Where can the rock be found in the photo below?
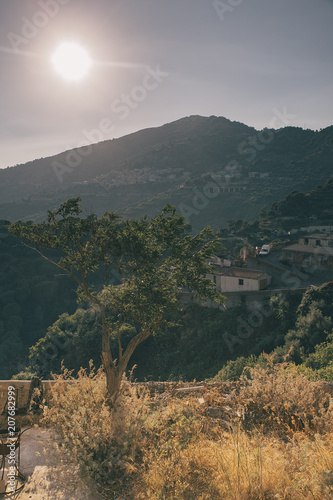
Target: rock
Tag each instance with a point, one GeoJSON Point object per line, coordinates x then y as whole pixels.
{"type": "Point", "coordinates": [214, 412]}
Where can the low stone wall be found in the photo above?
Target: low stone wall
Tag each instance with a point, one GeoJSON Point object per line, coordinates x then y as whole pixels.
{"type": "Point", "coordinates": [179, 389]}
{"type": "Point", "coordinates": [22, 388]}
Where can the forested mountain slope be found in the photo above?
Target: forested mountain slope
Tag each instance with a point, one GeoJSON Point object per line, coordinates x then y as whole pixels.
{"type": "Point", "coordinates": [211, 168]}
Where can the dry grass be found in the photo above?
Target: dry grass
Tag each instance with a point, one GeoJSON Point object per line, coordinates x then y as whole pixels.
{"type": "Point", "coordinates": [169, 447]}
{"type": "Point", "coordinates": [279, 399]}
{"type": "Point", "coordinates": [240, 466]}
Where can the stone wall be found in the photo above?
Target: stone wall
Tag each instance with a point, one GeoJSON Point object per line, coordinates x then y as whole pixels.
{"type": "Point", "coordinates": [23, 386]}
{"type": "Point", "coordinates": [22, 392]}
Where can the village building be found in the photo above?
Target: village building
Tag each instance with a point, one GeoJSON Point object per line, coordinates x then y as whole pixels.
{"type": "Point", "coordinates": [241, 286]}
{"type": "Point", "coordinates": [250, 287]}
{"type": "Point", "coordinates": [238, 279]}
{"type": "Point", "coordinates": [315, 250]}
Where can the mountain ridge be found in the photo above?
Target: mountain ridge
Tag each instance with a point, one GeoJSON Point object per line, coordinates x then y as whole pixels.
{"type": "Point", "coordinates": [132, 138]}
{"type": "Point", "coordinates": [138, 173]}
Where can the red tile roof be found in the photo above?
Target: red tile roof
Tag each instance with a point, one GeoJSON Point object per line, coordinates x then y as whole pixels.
{"type": "Point", "coordinates": [241, 272]}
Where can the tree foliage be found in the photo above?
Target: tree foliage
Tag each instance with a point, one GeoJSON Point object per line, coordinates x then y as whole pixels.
{"type": "Point", "coordinates": [31, 299]}
{"type": "Point", "coordinates": [155, 257]}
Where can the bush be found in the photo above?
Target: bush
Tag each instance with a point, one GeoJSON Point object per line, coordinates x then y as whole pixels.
{"type": "Point", "coordinates": [234, 369]}
{"type": "Point", "coordinates": [164, 446]}
{"type": "Point", "coordinates": [104, 441]}
{"type": "Point", "coordinates": [110, 444]}
{"type": "Point", "coordinates": [279, 399]}
{"type": "Point", "coordinates": [319, 364]}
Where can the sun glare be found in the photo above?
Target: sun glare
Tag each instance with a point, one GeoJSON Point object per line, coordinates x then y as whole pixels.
{"type": "Point", "coordinates": [71, 61]}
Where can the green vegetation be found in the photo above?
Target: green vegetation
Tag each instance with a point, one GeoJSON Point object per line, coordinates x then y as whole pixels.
{"type": "Point", "coordinates": [263, 428]}
{"type": "Point", "coordinates": [31, 299]}
{"type": "Point", "coordinates": [308, 343]}
{"type": "Point", "coordinates": [296, 210]}
{"type": "Point", "coordinates": [204, 342]}
{"type": "Point", "coordinates": [156, 259]}
{"type": "Point", "coordinates": [317, 202]}
{"type": "Point", "coordinates": [319, 364]}
{"type": "Point", "coordinates": [181, 157]}
{"type": "Point", "coordinates": [260, 429]}
{"type": "Point", "coordinates": [201, 341]}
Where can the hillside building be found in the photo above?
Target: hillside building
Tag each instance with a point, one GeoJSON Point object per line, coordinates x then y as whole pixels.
{"type": "Point", "coordinates": [247, 287]}
{"type": "Point", "coordinates": [315, 250]}
{"type": "Point", "coordinates": [238, 279]}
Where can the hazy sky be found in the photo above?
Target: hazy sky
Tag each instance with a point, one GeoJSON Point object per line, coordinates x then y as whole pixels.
{"type": "Point", "coordinates": [155, 61]}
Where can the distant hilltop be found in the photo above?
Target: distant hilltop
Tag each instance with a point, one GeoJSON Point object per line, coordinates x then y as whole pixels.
{"type": "Point", "coordinates": [211, 168]}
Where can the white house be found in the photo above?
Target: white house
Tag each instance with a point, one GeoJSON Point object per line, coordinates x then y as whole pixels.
{"type": "Point", "coordinates": [239, 279]}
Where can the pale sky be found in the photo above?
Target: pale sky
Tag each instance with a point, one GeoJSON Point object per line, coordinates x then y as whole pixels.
{"type": "Point", "coordinates": [155, 61]}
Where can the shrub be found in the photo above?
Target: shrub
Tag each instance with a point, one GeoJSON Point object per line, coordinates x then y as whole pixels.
{"type": "Point", "coordinates": [240, 466]}
{"type": "Point", "coordinates": [106, 442]}
{"type": "Point", "coordinates": [165, 447]}
{"type": "Point", "coordinates": [278, 398]}
{"type": "Point", "coordinates": [233, 369]}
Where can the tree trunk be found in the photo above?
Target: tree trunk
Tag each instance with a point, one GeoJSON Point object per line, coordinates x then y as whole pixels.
{"type": "Point", "coordinates": [114, 374]}
{"type": "Point", "coordinates": [113, 384]}
{"type": "Point", "coordinates": [113, 377]}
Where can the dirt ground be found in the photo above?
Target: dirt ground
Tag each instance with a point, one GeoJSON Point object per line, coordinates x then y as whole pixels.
{"type": "Point", "coordinates": [49, 475]}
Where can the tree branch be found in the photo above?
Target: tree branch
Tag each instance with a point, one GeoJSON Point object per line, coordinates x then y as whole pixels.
{"type": "Point", "coordinates": [119, 345]}
{"type": "Point", "coordinates": [134, 342]}
{"type": "Point", "coordinates": [54, 263]}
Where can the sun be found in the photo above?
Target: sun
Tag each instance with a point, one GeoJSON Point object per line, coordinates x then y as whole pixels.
{"type": "Point", "coordinates": [71, 61]}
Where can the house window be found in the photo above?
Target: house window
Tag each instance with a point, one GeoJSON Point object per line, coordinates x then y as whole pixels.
{"type": "Point", "coordinates": [241, 282]}
{"type": "Point", "coordinates": [215, 279]}
{"type": "Point", "coordinates": [318, 243]}
{"type": "Point", "coordinates": [306, 241]}
{"type": "Point", "coordinates": [263, 284]}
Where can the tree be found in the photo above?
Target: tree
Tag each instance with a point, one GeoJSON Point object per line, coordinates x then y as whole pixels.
{"type": "Point", "coordinates": [311, 328]}
{"type": "Point", "coordinates": [73, 339]}
{"type": "Point", "coordinates": [156, 259]}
